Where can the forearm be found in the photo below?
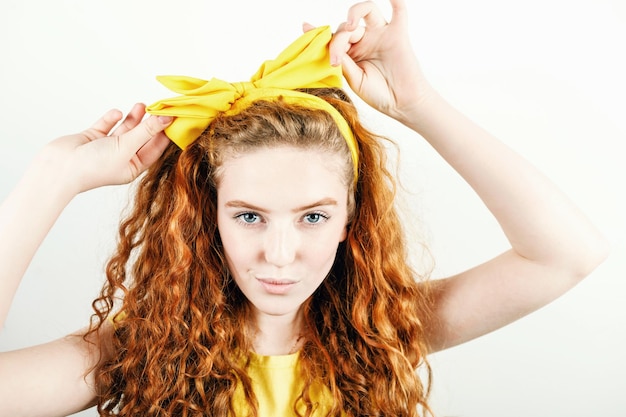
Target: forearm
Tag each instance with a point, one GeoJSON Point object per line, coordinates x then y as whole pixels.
{"type": "Point", "coordinates": [540, 222]}
{"type": "Point", "coordinates": [26, 216]}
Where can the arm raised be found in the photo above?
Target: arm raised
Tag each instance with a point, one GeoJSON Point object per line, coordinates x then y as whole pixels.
{"type": "Point", "coordinates": [553, 245]}
{"type": "Point", "coordinates": [50, 379]}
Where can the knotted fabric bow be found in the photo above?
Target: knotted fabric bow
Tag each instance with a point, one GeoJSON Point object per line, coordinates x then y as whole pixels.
{"type": "Point", "coordinates": [303, 64]}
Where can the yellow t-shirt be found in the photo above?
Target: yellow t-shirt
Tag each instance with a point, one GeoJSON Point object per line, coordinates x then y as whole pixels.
{"type": "Point", "coordinates": [276, 384]}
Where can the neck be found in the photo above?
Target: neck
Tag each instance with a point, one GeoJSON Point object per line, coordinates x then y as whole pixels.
{"type": "Point", "coordinates": [278, 335]}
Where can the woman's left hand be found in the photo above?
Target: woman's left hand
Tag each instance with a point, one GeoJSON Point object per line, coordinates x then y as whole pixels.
{"type": "Point", "coordinates": [378, 60]}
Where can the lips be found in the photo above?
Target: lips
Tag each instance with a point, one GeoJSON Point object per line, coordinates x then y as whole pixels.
{"type": "Point", "coordinates": [276, 286]}
{"type": "Point", "coordinates": [276, 281]}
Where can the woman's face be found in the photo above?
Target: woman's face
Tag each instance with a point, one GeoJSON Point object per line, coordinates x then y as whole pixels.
{"type": "Point", "coordinates": [281, 215]}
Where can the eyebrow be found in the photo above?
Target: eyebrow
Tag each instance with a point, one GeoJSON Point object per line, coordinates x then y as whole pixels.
{"type": "Point", "coordinates": [242, 204]}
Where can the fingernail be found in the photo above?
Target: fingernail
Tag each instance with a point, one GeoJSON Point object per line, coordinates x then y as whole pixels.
{"type": "Point", "coordinates": [166, 120]}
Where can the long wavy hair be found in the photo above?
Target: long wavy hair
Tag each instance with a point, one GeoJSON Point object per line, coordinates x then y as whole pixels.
{"type": "Point", "coordinates": [178, 345]}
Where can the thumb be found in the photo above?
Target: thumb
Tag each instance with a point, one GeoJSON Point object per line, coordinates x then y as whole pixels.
{"type": "Point", "coordinates": [352, 72]}
{"type": "Point", "coordinates": [135, 138]}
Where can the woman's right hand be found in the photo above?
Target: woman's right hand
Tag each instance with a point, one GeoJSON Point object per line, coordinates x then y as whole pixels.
{"type": "Point", "coordinates": [103, 155]}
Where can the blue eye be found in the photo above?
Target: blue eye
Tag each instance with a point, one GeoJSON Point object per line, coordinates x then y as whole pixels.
{"type": "Point", "coordinates": [314, 218]}
{"type": "Point", "coordinates": [248, 218]}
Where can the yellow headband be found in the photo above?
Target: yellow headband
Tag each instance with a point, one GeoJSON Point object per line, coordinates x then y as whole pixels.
{"type": "Point", "coordinates": [304, 64]}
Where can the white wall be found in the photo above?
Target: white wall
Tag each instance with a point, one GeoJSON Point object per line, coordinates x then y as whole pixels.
{"type": "Point", "coordinates": [544, 75]}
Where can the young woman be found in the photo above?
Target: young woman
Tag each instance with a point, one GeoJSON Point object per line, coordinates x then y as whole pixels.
{"type": "Point", "coordinates": [263, 270]}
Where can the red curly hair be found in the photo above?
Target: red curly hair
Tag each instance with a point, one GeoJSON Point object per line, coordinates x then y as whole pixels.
{"type": "Point", "coordinates": [180, 348]}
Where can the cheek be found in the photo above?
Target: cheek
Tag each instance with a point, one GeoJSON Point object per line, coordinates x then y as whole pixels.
{"type": "Point", "coordinates": [322, 252]}
{"type": "Point", "coordinates": [230, 244]}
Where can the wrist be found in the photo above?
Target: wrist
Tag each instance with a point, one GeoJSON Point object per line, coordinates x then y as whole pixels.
{"type": "Point", "coordinates": [413, 111]}
{"type": "Point", "coordinates": [427, 108]}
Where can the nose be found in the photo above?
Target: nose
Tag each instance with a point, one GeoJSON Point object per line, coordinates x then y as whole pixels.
{"type": "Point", "coordinates": [281, 245]}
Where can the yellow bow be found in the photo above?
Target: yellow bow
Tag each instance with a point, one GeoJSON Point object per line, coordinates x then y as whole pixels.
{"type": "Point", "coordinates": [303, 64]}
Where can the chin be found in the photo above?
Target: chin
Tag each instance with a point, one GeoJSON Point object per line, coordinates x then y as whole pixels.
{"type": "Point", "coordinates": [276, 307]}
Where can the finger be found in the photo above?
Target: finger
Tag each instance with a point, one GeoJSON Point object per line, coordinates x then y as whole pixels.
{"type": "Point", "coordinates": [150, 152]}
{"type": "Point", "coordinates": [104, 125]}
{"type": "Point", "coordinates": [342, 41]}
{"type": "Point", "coordinates": [399, 12]}
{"type": "Point", "coordinates": [369, 12]}
{"type": "Point", "coordinates": [133, 140]}
{"type": "Point", "coordinates": [307, 26]}
{"type": "Point", "coordinates": [339, 45]}
{"type": "Point", "coordinates": [132, 119]}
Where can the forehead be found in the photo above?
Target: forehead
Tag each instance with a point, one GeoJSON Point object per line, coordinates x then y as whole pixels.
{"type": "Point", "coordinates": [282, 176]}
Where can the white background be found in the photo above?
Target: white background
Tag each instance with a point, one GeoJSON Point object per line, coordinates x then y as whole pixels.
{"type": "Point", "coordinates": [546, 76]}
